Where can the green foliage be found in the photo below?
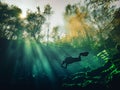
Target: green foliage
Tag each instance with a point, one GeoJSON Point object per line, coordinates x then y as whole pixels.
{"type": "Point", "coordinates": [34, 22]}
{"type": "Point", "coordinates": [9, 21]}
{"type": "Point", "coordinates": [100, 16]}
{"type": "Point", "coordinates": [47, 10]}
{"type": "Point", "coordinates": [102, 20]}
{"type": "Point", "coordinates": [55, 34]}
{"type": "Point", "coordinates": [115, 33]}
{"type": "Point", "coordinates": [12, 26]}
{"type": "Point", "coordinates": [103, 55]}
{"type": "Point", "coordinates": [71, 9]}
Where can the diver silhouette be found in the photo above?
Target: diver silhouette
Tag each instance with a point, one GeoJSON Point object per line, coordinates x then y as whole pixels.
{"type": "Point", "coordinates": [70, 60]}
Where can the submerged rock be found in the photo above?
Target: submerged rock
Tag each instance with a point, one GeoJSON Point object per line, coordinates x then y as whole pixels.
{"type": "Point", "coordinates": [101, 77]}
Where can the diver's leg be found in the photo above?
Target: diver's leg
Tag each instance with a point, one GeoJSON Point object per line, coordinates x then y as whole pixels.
{"type": "Point", "coordinates": [66, 65]}
{"type": "Point", "coordinates": [62, 64]}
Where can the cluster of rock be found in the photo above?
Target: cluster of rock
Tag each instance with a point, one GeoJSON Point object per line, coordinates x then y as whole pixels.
{"type": "Point", "coordinates": [101, 77]}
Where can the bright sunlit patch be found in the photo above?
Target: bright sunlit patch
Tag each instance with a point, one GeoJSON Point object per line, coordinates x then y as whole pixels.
{"type": "Point", "coordinates": [25, 34]}
{"type": "Point", "coordinates": [23, 15]}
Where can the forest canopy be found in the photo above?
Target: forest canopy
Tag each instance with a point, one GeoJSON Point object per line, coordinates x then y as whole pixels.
{"type": "Point", "coordinates": [92, 24]}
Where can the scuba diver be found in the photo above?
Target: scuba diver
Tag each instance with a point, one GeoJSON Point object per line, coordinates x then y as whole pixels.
{"type": "Point", "coordinates": [70, 60]}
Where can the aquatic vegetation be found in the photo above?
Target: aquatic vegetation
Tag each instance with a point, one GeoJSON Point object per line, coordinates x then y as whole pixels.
{"type": "Point", "coordinates": [101, 76]}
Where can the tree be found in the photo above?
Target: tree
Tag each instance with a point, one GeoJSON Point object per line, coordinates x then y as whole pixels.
{"type": "Point", "coordinates": [13, 27]}
{"type": "Point", "coordinates": [10, 23]}
{"type": "Point", "coordinates": [34, 22]}
{"type": "Point", "coordinates": [93, 20]}
{"type": "Point", "coordinates": [76, 25]}
{"type": "Point", "coordinates": [47, 12]}
{"type": "Point", "coordinates": [55, 33]}
{"type": "Point", "coordinates": [101, 14]}
{"type": "Point", "coordinates": [115, 32]}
